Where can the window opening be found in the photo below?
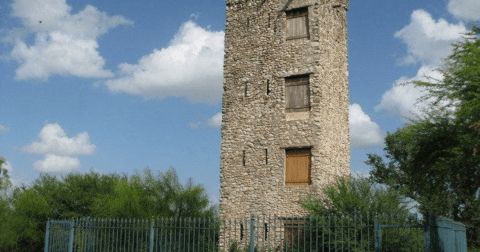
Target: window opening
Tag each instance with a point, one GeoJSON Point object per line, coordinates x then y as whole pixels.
{"type": "Point", "coordinates": [246, 88]}
{"type": "Point", "coordinates": [297, 93]}
{"type": "Point", "coordinates": [243, 158]}
{"type": "Point", "coordinates": [297, 23]}
{"type": "Point", "coordinates": [298, 166]}
{"type": "Point", "coordinates": [266, 231]}
{"type": "Point", "coordinates": [268, 87]}
{"type": "Point", "coordinates": [241, 231]}
{"type": "Point", "coordinates": [266, 156]}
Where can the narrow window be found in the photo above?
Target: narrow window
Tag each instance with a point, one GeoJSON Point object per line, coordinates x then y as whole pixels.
{"type": "Point", "coordinates": [246, 89]}
{"type": "Point", "coordinates": [297, 93]}
{"type": "Point", "coordinates": [297, 23]}
{"type": "Point", "coordinates": [248, 22]}
{"type": "Point", "coordinates": [243, 158]}
{"type": "Point", "coordinates": [266, 231]}
{"type": "Point", "coordinates": [268, 87]}
{"type": "Point", "coordinates": [266, 156]}
{"type": "Point", "coordinates": [269, 21]}
{"type": "Point", "coordinates": [297, 166]}
{"type": "Point", "coordinates": [241, 231]}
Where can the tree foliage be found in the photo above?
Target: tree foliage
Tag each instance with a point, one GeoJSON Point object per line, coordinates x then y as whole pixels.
{"type": "Point", "coordinates": [4, 177]}
{"type": "Point", "coordinates": [24, 214]}
{"type": "Point", "coordinates": [357, 195]}
{"type": "Point", "coordinates": [433, 158]}
{"type": "Point", "coordinates": [353, 203]}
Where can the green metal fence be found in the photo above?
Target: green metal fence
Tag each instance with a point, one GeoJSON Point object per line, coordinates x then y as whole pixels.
{"type": "Point", "coordinates": [328, 233]}
{"type": "Point", "coordinates": [443, 234]}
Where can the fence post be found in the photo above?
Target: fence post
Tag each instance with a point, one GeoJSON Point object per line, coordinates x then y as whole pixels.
{"type": "Point", "coordinates": [378, 234]}
{"type": "Point", "coordinates": [427, 233]}
{"type": "Point", "coordinates": [70, 236]}
{"type": "Point", "coordinates": [152, 235]}
{"type": "Point", "coordinates": [252, 234]}
{"type": "Point", "coordinates": [47, 233]}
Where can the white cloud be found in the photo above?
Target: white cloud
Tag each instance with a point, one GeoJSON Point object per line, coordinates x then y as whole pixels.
{"type": "Point", "coordinates": [64, 43]}
{"type": "Point", "coordinates": [54, 140]}
{"type": "Point", "coordinates": [363, 132]}
{"type": "Point", "coordinates": [401, 100]}
{"type": "Point", "coordinates": [194, 125]}
{"type": "Point", "coordinates": [428, 41]}
{"type": "Point", "coordinates": [57, 164]}
{"type": "Point", "coordinates": [214, 122]}
{"type": "Point", "coordinates": [192, 67]}
{"type": "Point", "coordinates": [465, 9]}
{"type": "Point", "coordinates": [58, 149]}
{"type": "Point", "coordinates": [4, 129]}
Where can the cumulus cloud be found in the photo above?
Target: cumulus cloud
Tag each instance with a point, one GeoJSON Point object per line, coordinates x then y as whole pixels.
{"type": "Point", "coordinates": [191, 66]}
{"type": "Point", "coordinates": [214, 122]}
{"type": "Point", "coordinates": [428, 41]}
{"type": "Point", "coordinates": [59, 150]}
{"type": "Point", "coordinates": [54, 140]}
{"type": "Point", "coordinates": [4, 129]}
{"type": "Point", "coordinates": [64, 43]}
{"type": "Point", "coordinates": [402, 100]}
{"type": "Point", "coordinates": [57, 164]}
{"type": "Point", "coordinates": [465, 9]}
{"type": "Point", "coordinates": [363, 131]}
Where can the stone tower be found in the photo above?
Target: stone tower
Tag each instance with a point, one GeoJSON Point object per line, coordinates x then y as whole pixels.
{"type": "Point", "coordinates": [285, 124]}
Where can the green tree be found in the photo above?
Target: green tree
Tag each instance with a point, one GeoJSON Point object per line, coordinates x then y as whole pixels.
{"type": "Point", "coordinates": [357, 195]}
{"type": "Point", "coordinates": [146, 195]}
{"type": "Point", "coordinates": [22, 224]}
{"type": "Point", "coordinates": [5, 182]}
{"type": "Point", "coordinates": [433, 158]}
{"type": "Point", "coordinates": [347, 210]}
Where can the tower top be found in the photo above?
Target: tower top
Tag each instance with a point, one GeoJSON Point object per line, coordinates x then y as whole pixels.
{"type": "Point", "coordinates": [291, 4]}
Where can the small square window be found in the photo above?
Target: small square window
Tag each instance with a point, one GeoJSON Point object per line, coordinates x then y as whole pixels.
{"type": "Point", "coordinates": [298, 166]}
{"type": "Point", "coordinates": [297, 23]}
{"type": "Point", "coordinates": [297, 93]}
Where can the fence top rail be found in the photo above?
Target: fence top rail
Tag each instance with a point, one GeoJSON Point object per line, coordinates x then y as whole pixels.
{"type": "Point", "coordinates": [441, 221]}
{"type": "Point", "coordinates": [383, 219]}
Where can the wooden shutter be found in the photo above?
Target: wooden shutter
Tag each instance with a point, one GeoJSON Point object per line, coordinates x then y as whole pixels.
{"type": "Point", "coordinates": [297, 23]}
{"type": "Point", "coordinates": [297, 93]}
{"type": "Point", "coordinates": [297, 167]}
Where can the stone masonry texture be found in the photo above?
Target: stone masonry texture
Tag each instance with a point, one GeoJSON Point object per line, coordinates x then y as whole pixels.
{"type": "Point", "coordinates": [259, 55]}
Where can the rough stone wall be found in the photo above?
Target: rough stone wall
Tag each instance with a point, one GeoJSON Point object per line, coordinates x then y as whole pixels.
{"type": "Point", "coordinates": [257, 52]}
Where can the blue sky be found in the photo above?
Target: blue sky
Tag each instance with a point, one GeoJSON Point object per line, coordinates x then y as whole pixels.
{"type": "Point", "coordinates": [117, 86]}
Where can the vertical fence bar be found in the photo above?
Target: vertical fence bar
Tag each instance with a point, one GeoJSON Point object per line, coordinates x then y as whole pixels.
{"type": "Point", "coordinates": [111, 233]}
{"type": "Point", "coordinates": [70, 236]}
{"type": "Point", "coordinates": [378, 234]}
{"type": "Point", "coordinates": [252, 234]}
{"type": "Point", "coordinates": [336, 231]}
{"type": "Point", "coordinates": [427, 232]}
{"type": "Point", "coordinates": [152, 236]}
{"type": "Point", "coordinates": [47, 235]}
{"type": "Point", "coordinates": [117, 235]}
